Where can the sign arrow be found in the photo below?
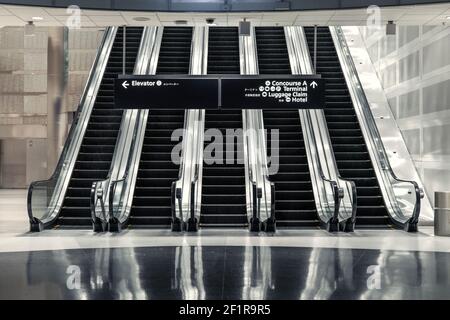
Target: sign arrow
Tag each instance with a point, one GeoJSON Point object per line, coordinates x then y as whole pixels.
{"type": "Point", "coordinates": [125, 84]}
{"type": "Point", "coordinates": [313, 84]}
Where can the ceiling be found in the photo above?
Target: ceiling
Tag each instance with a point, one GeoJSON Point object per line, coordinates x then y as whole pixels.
{"type": "Point", "coordinates": [432, 14]}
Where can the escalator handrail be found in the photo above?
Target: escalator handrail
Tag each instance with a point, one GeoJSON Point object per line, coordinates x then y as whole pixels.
{"type": "Point", "coordinates": [113, 183]}
{"type": "Point", "coordinates": [305, 66]}
{"type": "Point", "coordinates": [249, 65]}
{"type": "Point", "coordinates": [127, 116]}
{"type": "Point", "coordinates": [338, 192]}
{"type": "Point", "coordinates": [83, 111]}
{"type": "Point", "coordinates": [333, 162]}
{"type": "Point", "coordinates": [373, 129]}
{"type": "Point", "coordinates": [142, 65]}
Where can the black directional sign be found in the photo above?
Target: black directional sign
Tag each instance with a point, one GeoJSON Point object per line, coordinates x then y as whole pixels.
{"type": "Point", "coordinates": [273, 93]}
{"type": "Point", "coordinates": [152, 92]}
{"type": "Point", "coordinates": [213, 92]}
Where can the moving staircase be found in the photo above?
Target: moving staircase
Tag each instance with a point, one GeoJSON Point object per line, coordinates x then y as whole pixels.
{"type": "Point", "coordinates": [94, 159]}
{"type": "Point", "coordinates": [223, 191]}
{"type": "Point", "coordinates": [349, 147]}
{"type": "Point", "coordinates": [152, 196]}
{"type": "Point", "coordinates": [294, 197]}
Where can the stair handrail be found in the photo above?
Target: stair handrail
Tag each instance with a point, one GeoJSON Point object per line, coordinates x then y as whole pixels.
{"type": "Point", "coordinates": [124, 145]}
{"type": "Point", "coordinates": [198, 66]}
{"type": "Point", "coordinates": [384, 172]}
{"type": "Point", "coordinates": [177, 191]}
{"type": "Point", "coordinates": [269, 221]}
{"type": "Point", "coordinates": [251, 165]}
{"type": "Point", "coordinates": [319, 126]}
{"type": "Point", "coordinates": [54, 188]}
{"type": "Point", "coordinates": [119, 199]}
{"type": "Point", "coordinates": [327, 190]}
{"type": "Point", "coordinates": [197, 161]}
{"type": "Point", "coordinates": [260, 198]}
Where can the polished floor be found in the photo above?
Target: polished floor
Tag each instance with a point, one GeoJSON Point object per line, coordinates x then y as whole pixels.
{"type": "Point", "coordinates": [217, 264]}
{"type": "Point", "coordinates": [212, 272]}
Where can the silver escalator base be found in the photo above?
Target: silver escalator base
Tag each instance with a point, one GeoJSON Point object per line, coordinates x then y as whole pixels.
{"type": "Point", "coordinates": [402, 198]}
{"type": "Point", "coordinates": [399, 156]}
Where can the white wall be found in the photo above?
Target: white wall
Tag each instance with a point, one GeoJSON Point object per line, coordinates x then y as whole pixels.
{"type": "Point", "coordinates": [414, 68]}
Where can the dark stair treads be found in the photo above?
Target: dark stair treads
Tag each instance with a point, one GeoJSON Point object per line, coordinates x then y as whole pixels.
{"type": "Point", "coordinates": [294, 198]}
{"type": "Point", "coordinates": [175, 51]}
{"type": "Point", "coordinates": [152, 196]}
{"type": "Point", "coordinates": [223, 184]}
{"type": "Point", "coordinates": [223, 50]}
{"type": "Point", "coordinates": [151, 206]}
{"type": "Point", "coordinates": [97, 148]}
{"type": "Point", "coordinates": [223, 192]}
{"type": "Point", "coordinates": [350, 150]}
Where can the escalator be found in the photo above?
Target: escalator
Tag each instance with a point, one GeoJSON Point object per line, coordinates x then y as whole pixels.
{"type": "Point", "coordinates": [294, 197]}
{"type": "Point", "coordinates": [223, 191]}
{"type": "Point", "coordinates": [349, 147]}
{"type": "Point", "coordinates": [97, 148]}
{"type": "Point", "coordinates": [152, 196]}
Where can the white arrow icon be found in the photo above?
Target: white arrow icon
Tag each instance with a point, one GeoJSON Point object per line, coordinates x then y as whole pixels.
{"type": "Point", "coordinates": [313, 84]}
{"type": "Point", "coordinates": [125, 84]}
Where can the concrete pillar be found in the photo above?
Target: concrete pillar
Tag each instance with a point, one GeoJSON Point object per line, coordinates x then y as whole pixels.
{"type": "Point", "coordinates": [56, 100]}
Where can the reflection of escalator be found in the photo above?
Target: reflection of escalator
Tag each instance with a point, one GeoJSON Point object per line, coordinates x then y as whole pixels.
{"type": "Point", "coordinates": [223, 194]}
{"type": "Point", "coordinates": [294, 198]}
{"type": "Point", "coordinates": [349, 147]}
{"type": "Point", "coordinates": [94, 159]}
{"type": "Point", "coordinates": [152, 197]}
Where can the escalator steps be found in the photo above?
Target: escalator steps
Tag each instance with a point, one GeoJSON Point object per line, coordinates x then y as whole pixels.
{"type": "Point", "coordinates": [151, 206]}
{"type": "Point", "coordinates": [223, 191]}
{"type": "Point", "coordinates": [294, 198]}
{"type": "Point", "coordinates": [349, 147]}
{"type": "Point", "coordinates": [97, 148]}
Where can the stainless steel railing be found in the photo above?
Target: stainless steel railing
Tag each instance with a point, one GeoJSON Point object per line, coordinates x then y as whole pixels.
{"type": "Point", "coordinates": [45, 197]}
{"type": "Point", "coordinates": [119, 187]}
{"type": "Point", "coordinates": [260, 192]}
{"type": "Point", "coordinates": [402, 197]}
{"type": "Point", "coordinates": [335, 197]}
{"type": "Point", "coordinates": [194, 135]}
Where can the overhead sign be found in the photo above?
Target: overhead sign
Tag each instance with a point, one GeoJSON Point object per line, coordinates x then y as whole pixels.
{"type": "Point", "coordinates": [213, 92]}
{"type": "Point", "coordinates": [273, 93]}
{"type": "Point", "coordinates": [149, 92]}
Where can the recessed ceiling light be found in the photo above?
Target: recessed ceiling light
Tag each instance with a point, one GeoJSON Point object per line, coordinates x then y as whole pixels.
{"type": "Point", "coordinates": [447, 17]}
{"type": "Point", "coordinates": [37, 18]}
{"type": "Point", "coordinates": [141, 19]}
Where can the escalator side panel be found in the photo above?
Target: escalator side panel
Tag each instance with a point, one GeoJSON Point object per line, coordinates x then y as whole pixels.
{"type": "Point", "coordinates": [151, 206]}
{"type": "Point", "coordinates": [223, 185]}
{"type": "Point", "coordinates": [294, 197]}
{"type": "Point", "coordinates": [349, 147]}
{"type": "Point", "coordinates": [97, 148]}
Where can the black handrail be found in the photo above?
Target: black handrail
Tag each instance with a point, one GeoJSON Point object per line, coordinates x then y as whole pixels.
{"type": "Point", "coordinates": [97, 195]}
{"type": "Point", "coordinates": [338, 194]}
{"type": "Point", "coordinates": [35, 223]}
{"type": "Point", "coordinates": [411, 223]}
{"type": "Point", "coordinates": [176, 224]}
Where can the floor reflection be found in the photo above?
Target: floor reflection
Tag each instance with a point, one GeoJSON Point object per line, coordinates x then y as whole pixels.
{"type": "Point", "coordinates": [208, 272]}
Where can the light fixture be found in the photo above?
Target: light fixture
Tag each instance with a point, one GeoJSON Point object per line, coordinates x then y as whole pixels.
{"type": "Point", "coordinates": [210, 21]}
{"type": "Point", "coordinates": [141, 19]}
{"type": "Point", "coordinates": [29, 29]}
{"type": "Point", "coordinates": [447, 17]}
{"type": "Point", "coordinates": [244, 28]}
{"type": "Point", "coordinates": [391, 28]}
{"type": "Point", "coordinates": [37, 18]}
